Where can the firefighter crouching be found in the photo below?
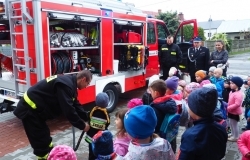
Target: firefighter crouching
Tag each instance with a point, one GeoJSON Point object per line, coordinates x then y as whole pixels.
{"type": "Point", "coordinates": [169, 56]}
{"type": "Point", "coordinates": [48, 99]}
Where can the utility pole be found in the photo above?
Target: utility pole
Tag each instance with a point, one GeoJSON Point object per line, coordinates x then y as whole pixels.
{"type": "Point", "coordinates": [210, 21]}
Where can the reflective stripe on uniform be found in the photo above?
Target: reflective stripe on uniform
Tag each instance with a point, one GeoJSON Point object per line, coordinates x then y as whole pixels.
{"type": "Point", "coordinates": [173, 53]}
{"type": "Point", "coordinates": [29, 101]}
{"type": "Point", "coordinates": [51, 145]}
{"type": "Point", "coordinates": [164, 49]}
{"type": "Point", "coordinates": [43, 158]}
{"type": "Point", "coordinates": [88, 139]}
{"type": "Point", "coordinates": [181, 66]}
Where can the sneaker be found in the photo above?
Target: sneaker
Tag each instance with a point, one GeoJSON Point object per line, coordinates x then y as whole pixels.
{"type": "Point", "coordinates": [232, 139]}
{"type": "Point", "coordinates": [229, 135]}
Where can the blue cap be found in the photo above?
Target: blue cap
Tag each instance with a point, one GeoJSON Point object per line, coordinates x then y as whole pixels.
{"type": "Point", "coordinates": [197, 39]}
{"type": "Point", "coordinates": [140, 122]}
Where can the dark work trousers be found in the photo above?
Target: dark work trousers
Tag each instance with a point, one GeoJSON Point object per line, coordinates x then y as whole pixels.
{"type": "Point", "coordinates": [173, 145]}
{"type": "Point", "coordinates": [91, 154]}
{"type": "Point", "coordinates": [165, 70]}
{"type": "Point", "coordinates": [38, 134]}
{"type": "Point", "coordinates": [193, 79]}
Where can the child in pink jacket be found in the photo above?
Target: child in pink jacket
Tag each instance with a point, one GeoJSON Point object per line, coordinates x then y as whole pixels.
{"type": "Point", "coordinates": [244, 145]}
{"type": "Point", "coordinates": [202, 78]}
{"type": "Point", "coordinates": [234, 107]}
{"type": "Point", "coordinates": [122, 140]}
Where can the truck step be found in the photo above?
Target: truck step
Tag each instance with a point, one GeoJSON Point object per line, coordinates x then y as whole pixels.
{"type": "Point", "coordinates": [20, 80]}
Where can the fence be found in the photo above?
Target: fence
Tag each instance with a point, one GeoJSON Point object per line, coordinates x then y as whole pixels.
{"type": "Point", "coordinates": [237, 45]}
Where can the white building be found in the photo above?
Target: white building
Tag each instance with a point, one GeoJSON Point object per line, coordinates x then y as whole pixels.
{"type": "Point", "coordinates": [210, 27]}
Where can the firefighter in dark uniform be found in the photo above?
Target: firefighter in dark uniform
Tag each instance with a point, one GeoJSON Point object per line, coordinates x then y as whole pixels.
{"type": "Point", "coordinates": [169, 56]}
{"type": "Point", "coordinates": [198, 58]}
{"type": "Point", "coordinates": [47, 99]}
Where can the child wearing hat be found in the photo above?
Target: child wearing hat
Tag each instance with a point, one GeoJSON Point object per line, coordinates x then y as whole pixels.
{"type": "Point", "coordinates": [201, 77]}
{"type": "Point", "coordinates": [185, 117]}
{"type": "Point", "coordinates": [147, 97]}
{"type": "Point", "coordinates": [176, 95]}
{"type": "Point", "coordinates": [211, 71]}
{"type": "Point", "coordinates": [62, 152]}
{"type": "Point", "coordinates": [122, 140]}
{"type": "Point", "coordinates": [134, 102]}
{"type": "Point", "coordinates": [206, 140]}
{"type": "Point", "coordinates": [234, 107]}
{"type": "Point", "coordinates": [102, 146]}
{"type": "Point", "coordinates": [140, 123]}
{"type": "Point", "coordinates": [99, 120]}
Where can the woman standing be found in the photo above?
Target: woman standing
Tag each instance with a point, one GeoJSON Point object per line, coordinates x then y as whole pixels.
{"type": "Point", "coordinates": [219, 57]}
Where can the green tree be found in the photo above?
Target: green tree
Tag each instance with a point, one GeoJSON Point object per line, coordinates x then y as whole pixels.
{"type": "Point", "coordinates": [189, 32]}
{"type": "Point", "coordinates": [171, 20]}
{"type": "Point", "coordinates": [224, 38]}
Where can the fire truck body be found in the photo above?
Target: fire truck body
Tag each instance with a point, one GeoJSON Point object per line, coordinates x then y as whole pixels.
{"type": "Point", "coordinates": [114, 40]}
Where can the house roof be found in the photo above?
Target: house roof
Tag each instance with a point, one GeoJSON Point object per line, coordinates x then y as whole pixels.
{"type": "Point", "coordinates": [210, 25]}
{"type": "Point", "coordinates": [234, 26]}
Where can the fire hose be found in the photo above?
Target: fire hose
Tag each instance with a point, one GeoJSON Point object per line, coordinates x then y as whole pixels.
{"type": "Point", "coordinates": [61, 62]}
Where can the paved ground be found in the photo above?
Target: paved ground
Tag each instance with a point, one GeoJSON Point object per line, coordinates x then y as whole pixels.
{"type": "Point", "coordinates": [14, 144]}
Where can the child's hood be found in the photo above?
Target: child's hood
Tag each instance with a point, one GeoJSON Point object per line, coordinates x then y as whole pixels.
{"type": "Point", "coordinates": [159, 149]}
{"type": "Point", "coordinates": [122, 141]}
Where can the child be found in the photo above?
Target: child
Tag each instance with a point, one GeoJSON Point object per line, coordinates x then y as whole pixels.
{"type": "Point", "coordinates": [161, 104]}
{"type": "Point", "coordinates": [173, 72]}
{"type": "Point", "coordinates": [244, 145]}
{"type": "Point", "coordinates": [226, 90]}
{"type": "Point", "coordinates": [211, 71]}
{"type": "Point", "coordinates": [99, 120]}
{"type": "Point", "coordinates": [188, 89]}
{"type": "Point", "coordinates": [134, 102]}
{"type": "Point", "coordinates": [206, 140]}
{"type": "Point", "coordinates": [218, 81]}
{"type": "Point", "coordinates": [201, 77]}
{"type": "Point", "coordinates": [140, 123]}
{"type": "Point", "coordinates": [177, 96]}
{"type": "Point", "coordinates": [181, 85]}
{"type": "Point", "coordinates": [62, 152]}
{"type": "Point", "coordinates": [234, 107]}
{"type": "Point", "coordinates": [122, 140]}
{"type": "Point", "coordinates": [147, 98]}
{"type": "Point", "coordinates": [247, 105]}
{"type": "Point", "coordinates": [102, 146]}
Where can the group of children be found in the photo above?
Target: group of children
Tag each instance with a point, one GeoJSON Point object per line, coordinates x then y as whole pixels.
{"type": "Point", "coordinates": [139, 126]}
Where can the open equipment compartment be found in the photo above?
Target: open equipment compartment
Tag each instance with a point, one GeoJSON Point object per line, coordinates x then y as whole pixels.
{"type": "Point", "coordinates": [74, 43]}
{"type": "Point", "coordinates": [128, 45]}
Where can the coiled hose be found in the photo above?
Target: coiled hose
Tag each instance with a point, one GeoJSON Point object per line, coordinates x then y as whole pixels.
{"type": "Point", "coordinates": [61, 62]}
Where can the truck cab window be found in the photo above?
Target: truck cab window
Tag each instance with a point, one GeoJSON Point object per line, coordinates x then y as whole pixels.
{"type": "Point", "coordinates": [151, 33]}
{"type": "Point", "coordinates": [161, 31]}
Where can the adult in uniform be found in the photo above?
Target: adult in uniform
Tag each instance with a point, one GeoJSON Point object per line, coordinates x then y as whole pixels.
{"type": "Point", "coordinates": [47, 99]}
{"type": "Point", "coordinates": [198, 58]}
{"type": "Point", "coordinates": [169, 56]}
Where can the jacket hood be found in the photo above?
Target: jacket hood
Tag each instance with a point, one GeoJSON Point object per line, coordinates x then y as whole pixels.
{"type": "Point", "coordinates": [158, 149]}
{"type": "Point", "coordinates": [165, 104]}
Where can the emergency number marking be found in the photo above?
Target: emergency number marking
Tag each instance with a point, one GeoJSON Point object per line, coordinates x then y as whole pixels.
{"type": "Point", "coordinates": [48, 79]}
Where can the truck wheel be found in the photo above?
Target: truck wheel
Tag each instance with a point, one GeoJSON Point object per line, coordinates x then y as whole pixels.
{"type": "Point", "coordinates": [113, 94]}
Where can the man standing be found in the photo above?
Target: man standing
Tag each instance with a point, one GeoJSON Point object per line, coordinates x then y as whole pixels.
{"type": "Point", "coordinates": [198, 58]}
{"type": "Point", "coordinates": [48, 99]}
{"type": "Point", "coordinates": [169, 56]}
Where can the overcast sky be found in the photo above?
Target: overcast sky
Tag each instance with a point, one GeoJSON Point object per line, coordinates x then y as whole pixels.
{"type": "Point", "coordinates": [199, 9]}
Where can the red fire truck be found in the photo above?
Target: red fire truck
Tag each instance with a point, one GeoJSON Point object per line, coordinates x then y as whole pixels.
{"type": "Point", "coordinates": [115, 40]}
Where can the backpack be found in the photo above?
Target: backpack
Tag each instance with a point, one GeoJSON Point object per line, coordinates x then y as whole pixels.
{"type": "Point", "coordinates": [223, 108]}
{"type": "Point", "coordinates": [169, 127]}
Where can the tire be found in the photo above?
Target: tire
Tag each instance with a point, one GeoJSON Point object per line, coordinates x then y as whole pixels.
{"type": "Point", "coordinates": [113, 94]}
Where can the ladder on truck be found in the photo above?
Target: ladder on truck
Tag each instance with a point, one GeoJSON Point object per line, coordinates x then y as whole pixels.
{"type": "Point", "coordinates": [23, 19]}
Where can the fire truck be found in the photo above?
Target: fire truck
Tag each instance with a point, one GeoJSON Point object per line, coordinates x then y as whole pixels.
{"type": "Point", "coordinates": [116, 41]}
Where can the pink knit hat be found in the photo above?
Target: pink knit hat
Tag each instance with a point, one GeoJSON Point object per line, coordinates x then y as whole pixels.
{"type": "Point", "coordinates": [192, 86]}
{"type": "Point", "coordinates": [134, 102]}
{"type": "Point", "coordinates": [62, 152]}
